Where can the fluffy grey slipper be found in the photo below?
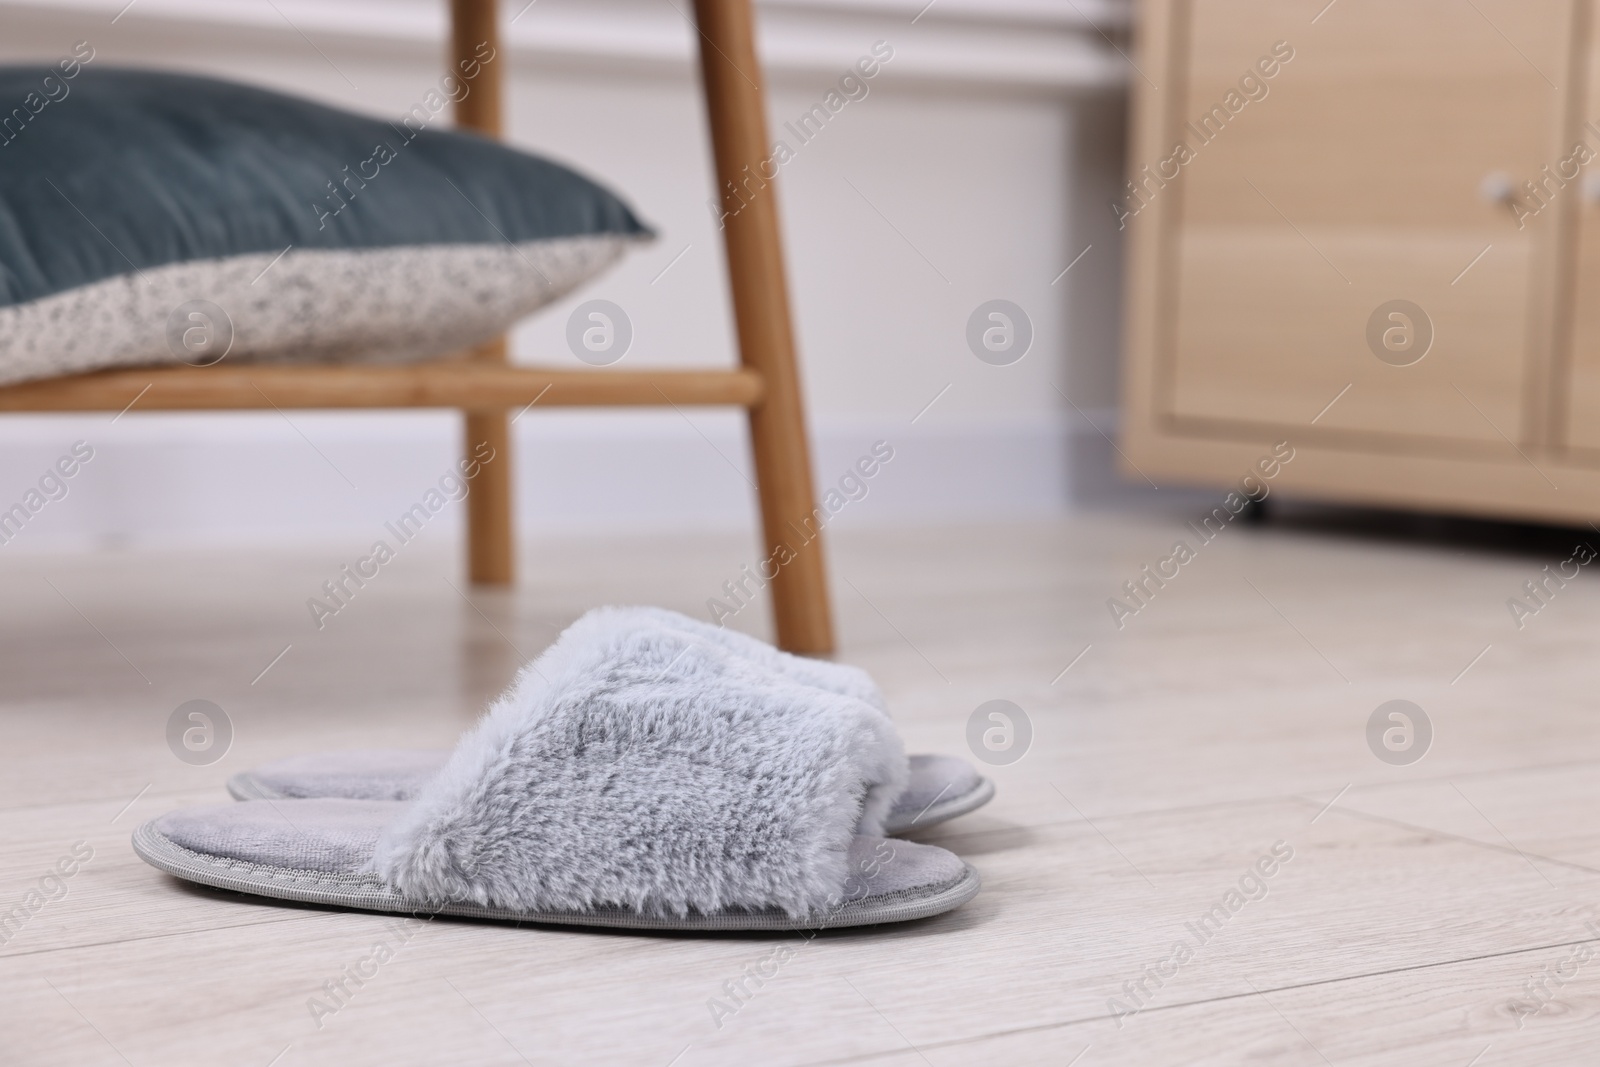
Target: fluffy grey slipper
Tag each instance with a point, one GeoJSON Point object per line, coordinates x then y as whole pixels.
{"type": "Point", "coordinates": [939, 787]}
{"type": "Point", "coordinates": [629, 778]}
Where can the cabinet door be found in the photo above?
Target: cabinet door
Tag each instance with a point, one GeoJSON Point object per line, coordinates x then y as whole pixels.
{"type": "Point", "coordinates": [1579, 400]}
{"type": "Point", "coordinates": [1355, 225]}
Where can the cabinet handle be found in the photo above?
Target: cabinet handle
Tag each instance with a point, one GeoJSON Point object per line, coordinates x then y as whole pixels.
{"type": "Point", "coordinates": [1497, 188]}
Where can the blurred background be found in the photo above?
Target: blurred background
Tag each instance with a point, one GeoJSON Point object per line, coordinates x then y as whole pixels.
{"type": "Point", "coordinates": [980, 165]}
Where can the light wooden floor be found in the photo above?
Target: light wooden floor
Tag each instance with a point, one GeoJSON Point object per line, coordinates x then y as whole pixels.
{"type": "Point", "coordinates": [1222, 720]}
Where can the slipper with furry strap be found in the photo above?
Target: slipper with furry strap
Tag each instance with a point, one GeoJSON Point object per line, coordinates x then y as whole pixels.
{"type": "Point", "coordinates": [940, 787]}
{"type": "Point", "coordinates": [629, 778]}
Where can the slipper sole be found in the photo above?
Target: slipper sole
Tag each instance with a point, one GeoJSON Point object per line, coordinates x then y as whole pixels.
{"type": "Point", "coordinates": [367, 893]}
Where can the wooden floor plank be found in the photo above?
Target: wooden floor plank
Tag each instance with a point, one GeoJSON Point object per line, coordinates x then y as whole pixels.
{"type": "Point", "coordinates": [1068, 916]}
{"type": "Point", "coordinates": [1478, 1012]}
{"type": "Point", "coordinates": [1169, 758]}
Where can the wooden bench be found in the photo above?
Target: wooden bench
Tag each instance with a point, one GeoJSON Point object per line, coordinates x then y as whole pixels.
{"type": "Point", "coordinates": [485, 387]}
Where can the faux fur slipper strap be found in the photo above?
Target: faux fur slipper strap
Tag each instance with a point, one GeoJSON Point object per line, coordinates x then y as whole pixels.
{"type": "Point", "coordinates": [649, 769]}
{"type": "Point", "coordinates": [817, 673]}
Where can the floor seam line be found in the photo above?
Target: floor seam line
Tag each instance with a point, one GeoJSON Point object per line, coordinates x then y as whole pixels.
{"type": "Point", "coordinates": [1066, 1023]}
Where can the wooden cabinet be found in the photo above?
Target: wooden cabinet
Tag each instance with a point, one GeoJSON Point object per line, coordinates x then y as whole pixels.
{"type": "Point", "coordinates": [1368, 228]}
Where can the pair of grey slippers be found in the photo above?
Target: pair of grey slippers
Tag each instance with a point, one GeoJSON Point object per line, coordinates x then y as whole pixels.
{"type": "Point", "coordinates": [647, 771]}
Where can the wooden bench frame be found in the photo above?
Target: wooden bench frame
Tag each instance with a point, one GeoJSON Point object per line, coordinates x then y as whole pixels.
{"type": "Point", "coordinates": [485, 387]}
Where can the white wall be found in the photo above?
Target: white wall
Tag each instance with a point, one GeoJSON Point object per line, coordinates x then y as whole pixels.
{"type": "Point", "coordinates": [978, 167]}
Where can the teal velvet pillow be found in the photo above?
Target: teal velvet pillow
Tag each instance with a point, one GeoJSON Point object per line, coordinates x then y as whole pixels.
{"type": "Point", "coordinates": [150, 218]}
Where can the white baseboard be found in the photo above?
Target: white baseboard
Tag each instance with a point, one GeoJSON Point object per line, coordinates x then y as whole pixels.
{"type": "Point", "coordinates": [1030, 45]}
{"type": "Point", "coordinates": [185, 480]}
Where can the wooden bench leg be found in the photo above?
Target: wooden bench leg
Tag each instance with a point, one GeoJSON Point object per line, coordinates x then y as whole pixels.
{"type": "Point", "coordinates": [491, 546]}
{"type": "Point", "coordinates": [491, 543]}
{"type": "Point", "coordinates": [734, 102]}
